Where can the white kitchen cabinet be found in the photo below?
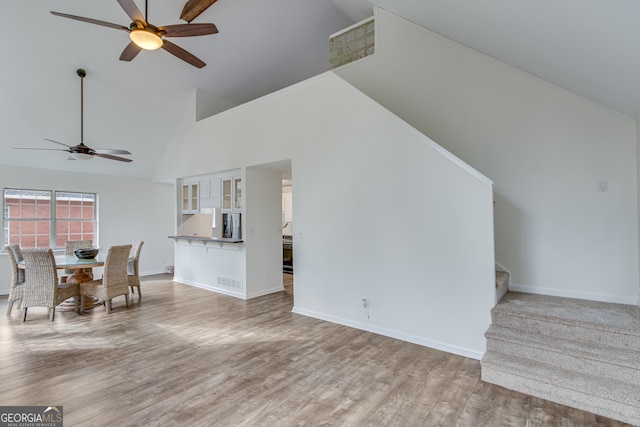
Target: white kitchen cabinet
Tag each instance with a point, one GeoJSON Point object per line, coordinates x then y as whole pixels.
{"type": "Point", "coordinates": [204, 188]}
{"type": "Point", "coordinates": [190, 198]}
{"type": "Point", "coordinates": [226, 194]}
{"type": "Point", "coordinates": [237, 194]}
{"type": "Point", "coordinates": [214, 187]}
{"type": "Point", "coordinates": [232, 194]}
{"type": "Point", "coordinates": [210, 193]}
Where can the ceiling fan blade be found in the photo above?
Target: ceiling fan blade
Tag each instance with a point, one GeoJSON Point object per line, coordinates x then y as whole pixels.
{"type": "Point", "coordinates": [91, 21]}
{"type": "Point", "coordinates": [110, 157]}
{"type": "Point", "coordinates": [182, 54]}
{"type": "Point", "coordinates": [193, 8]}
{"type": "Point", "coordinates": [56, 142]}
{"type": "Point", "coordinates": [109, 151]}
{"type": "Point", "coordinates": [132, 11]}
{"type": "Point", "coordinates": [33, 148]}
{"type": "Point", "coordinates": [131, 51]}
{"type": "Point", "coordinates": [188, 30]}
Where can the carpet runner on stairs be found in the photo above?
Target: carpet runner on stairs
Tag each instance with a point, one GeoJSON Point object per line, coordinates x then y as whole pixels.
{"type": "Point", "coordinates": [579, 353]}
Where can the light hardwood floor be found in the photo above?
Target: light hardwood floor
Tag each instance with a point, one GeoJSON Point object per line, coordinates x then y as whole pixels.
{"type": "Point", "coordinates": [187, 356]}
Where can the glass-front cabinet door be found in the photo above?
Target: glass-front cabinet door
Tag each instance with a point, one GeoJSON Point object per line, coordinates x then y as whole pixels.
{"type": "Point", "coordinates": [185, 198]}
{"type": "Point", "coordinates": [226, 193]}
{"type": "Point", "coordinates": [237, 193]}
{"type": "Point", "coordinates": [195, 205]}
{"type": "Point", "coordinates": [190, 198]}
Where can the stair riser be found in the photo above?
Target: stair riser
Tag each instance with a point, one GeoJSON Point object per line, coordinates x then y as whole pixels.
{"type": "Point", "coordinates": [564, 331]}
{"type": "Point", "coordinates": [502, 285]}
{"type": "Point", "coordinates": [629, 373]}
{"type": "Point", "coordinates": [571, 381]}
{"type": "Point", "coordinates": [555, 393]}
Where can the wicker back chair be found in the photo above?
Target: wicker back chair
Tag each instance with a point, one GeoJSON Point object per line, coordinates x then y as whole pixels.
{"type": "Point", "coordinates": [114, 280]}
{"type": "Point", "coordinates": [41, 287]}
{"type": "Point", "coordinates": [69, 247]}
{"type": "Point", "coordinates": [17, 276]}
{"type": "Point", "coordinates": [133, 274]}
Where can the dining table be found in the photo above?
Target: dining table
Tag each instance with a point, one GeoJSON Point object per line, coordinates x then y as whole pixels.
{"type": "Point", "coordinates": [81, 273]}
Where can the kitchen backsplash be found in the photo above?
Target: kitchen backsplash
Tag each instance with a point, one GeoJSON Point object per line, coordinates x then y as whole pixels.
{"type": "Point", "coordinates": [196, 225]}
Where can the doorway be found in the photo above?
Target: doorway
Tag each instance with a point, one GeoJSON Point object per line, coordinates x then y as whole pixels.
{"type": "Point", "coordinates": [270, 250]}
{"type": "Point", "coordinates": [287, 230]}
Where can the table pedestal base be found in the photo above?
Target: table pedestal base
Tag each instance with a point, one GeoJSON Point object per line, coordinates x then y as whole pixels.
{"type": "Point", "coordinates": [81, 275]}
{"type": "Point", "coordinates": [69, 304]}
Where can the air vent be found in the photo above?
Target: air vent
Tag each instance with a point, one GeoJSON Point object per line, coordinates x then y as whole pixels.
{"type": "Point", "coordinates": [226, 282]}
{"type": "Point", "coordinates": [353, 43]}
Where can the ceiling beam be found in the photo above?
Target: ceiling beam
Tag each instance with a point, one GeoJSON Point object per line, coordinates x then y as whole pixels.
{"type": "Point", "coordinates": [193, 8]}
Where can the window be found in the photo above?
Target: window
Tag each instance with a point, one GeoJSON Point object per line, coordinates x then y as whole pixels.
{"type": "Point", "coordinates": [46, 219]}
{"type": "Point", "coordinates": [75, 217]}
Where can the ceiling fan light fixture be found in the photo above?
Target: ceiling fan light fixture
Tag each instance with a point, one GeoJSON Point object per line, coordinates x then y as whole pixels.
{"type": "Point", "coordinates": [146, 39]}
{"type": "Point", "coordinates": [81, 156]}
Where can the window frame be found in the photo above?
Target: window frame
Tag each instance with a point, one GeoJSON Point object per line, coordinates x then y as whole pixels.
{"type": "Point", "coordinates": [54, 218]}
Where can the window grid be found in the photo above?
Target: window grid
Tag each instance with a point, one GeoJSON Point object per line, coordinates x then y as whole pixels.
{"type": "Point", "coordinates": [28, 221]}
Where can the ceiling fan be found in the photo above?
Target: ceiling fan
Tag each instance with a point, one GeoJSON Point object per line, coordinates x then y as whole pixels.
{"type": "Point", "coordinates": [81, 151]}
{"type": "Point", "coordinates": [145, 36]}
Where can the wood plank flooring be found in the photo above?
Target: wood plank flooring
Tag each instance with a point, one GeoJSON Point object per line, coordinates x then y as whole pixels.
{"type": "Point", "coordinates": [187, 356]}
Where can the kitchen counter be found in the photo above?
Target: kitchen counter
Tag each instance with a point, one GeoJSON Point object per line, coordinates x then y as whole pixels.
{"type": "Point", "coordinates": [206, 240]}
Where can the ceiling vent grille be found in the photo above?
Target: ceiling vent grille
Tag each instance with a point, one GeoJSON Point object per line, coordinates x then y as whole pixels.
{"type": "Point", "coordinates": [353, 43]}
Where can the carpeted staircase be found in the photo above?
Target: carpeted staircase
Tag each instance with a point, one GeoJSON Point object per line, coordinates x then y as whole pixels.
{"type": "Point", "coordinates": [579, 353]}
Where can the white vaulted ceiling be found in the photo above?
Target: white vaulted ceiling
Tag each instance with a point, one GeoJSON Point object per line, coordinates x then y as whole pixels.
{"type": "Point", "coordinates": [589, 47]}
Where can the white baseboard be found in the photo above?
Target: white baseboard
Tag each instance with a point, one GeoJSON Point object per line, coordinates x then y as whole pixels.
{"type": "Point", "coordinates": [593, 296]}
{"type": "Point", "coordinates": [425, 342]}
{"type": "Point", "coordinates": [151, 273]}
{"type": "Point", "coordinates": [265, 292]}
{"type": "Point", "coordinates": [5, 291]}
{"type": "Point", "coordinates": [210, 288]}
{"type": "Point", "coordinates": [228, 291]}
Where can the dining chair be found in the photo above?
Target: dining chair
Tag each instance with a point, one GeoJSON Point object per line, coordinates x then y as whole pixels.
{"type": "Point", "coordinates": [17, 276]}
{"type": "Point", "coordinates": [114, 281]}
{"type": "Point", "coordinates": [133, 274]}
{"type": "Point", "coordinates": [41, 287]}
{"type": "Point", "coordinates": [69, 247]}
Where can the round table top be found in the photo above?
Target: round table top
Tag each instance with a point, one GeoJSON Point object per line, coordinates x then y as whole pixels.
{"type": "Point", "coordinates": [70, 261]}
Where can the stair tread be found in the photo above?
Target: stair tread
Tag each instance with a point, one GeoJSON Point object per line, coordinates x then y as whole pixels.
{"type": "Point", "coordinates": [601, 402]}
{"type": "Point", "coordinates": [595, 351]}
{"type": "Point", "coordinates": [577, 381]}
{"type": "Point", "coordinates": [618, 318]}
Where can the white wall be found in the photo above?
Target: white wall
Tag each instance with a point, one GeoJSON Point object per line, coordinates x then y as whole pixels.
{"type": "Point", "coordinates": [218, 267]}
{"type": "Point", "coordinates": [545, 148]}
{"type": "Point", "coordinates": [263, 232]}
{"type": "Point", "coordinates": [381, 211]}
{"type": "Point", "coordinates": [128, 209]}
